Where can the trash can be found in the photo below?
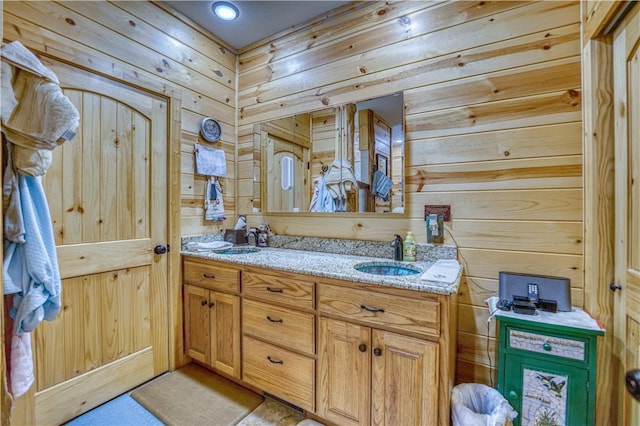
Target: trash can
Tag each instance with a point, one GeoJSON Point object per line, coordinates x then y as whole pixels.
{"type": "Point", "coordinates": [475, 404]}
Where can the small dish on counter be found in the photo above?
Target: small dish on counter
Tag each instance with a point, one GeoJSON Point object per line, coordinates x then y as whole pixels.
{"type": "Point", "coordinates": [215, 246]}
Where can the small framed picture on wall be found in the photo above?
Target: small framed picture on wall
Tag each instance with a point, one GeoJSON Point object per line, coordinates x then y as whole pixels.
{"type": "Point", "coordinates": [382, 164]}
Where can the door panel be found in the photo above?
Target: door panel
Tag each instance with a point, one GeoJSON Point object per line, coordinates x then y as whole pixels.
{"type": "Point", "coordinates": [404, 373]}
{"type": "Point", "coordinates": [107, 194]}
{"type": "Point", "coordinates": [344, 372]}
{"type": "Point", "coordinates": [626, 50]}
{"type": "Point", "coordinates": [196, 320]}
{"type": "Point", "coordinates": [225, 333]}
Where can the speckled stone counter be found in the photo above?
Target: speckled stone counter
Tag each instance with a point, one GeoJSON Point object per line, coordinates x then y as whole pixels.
{"type": "Point", "coordinates": [333, 258]}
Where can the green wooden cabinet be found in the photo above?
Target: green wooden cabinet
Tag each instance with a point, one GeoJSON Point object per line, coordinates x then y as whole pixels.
{"type": "Point", "coordinates": [547, 367]}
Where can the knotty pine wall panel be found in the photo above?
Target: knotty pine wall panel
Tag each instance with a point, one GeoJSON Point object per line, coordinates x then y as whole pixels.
{"type": "Point", "coordinates": [150, 47]}
{"type": "Point", "coordinates": [493, 117]}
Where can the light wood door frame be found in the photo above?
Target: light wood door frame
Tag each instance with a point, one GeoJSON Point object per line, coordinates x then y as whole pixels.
{"type": "Point", "coordinates": [599, 196]}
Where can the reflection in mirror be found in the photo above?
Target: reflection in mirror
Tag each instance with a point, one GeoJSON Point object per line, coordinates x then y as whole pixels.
{"type": "Point", "coordinates": [348, 158]}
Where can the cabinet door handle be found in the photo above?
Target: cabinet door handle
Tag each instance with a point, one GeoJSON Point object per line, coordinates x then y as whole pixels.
{"type": "Point", "coordinates": [546, 346]}
{"type": "Point", "coordinates": [377, 351]}
{"type": "Point", "coordinates": [212, 304]}
{"type": "Point", "coordinates": [274, 361]}
{"type": "Point", "coordinates": [209, 276]}
{"type": "Point", "coordinates": [274, 290]}
{"type": "Point", "coordinates": [512, 395]}
{"type": "Point", "coordinates": [272, 319]}
{"type": "Point", "coordinates": [362, 347]}
{"type": "Point", "coordinates": [367, 308]}
{"type": "Point", "coordinates": [203, 302]}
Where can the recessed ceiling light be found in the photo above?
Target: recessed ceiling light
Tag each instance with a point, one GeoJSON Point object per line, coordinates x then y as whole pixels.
{"type": "Point", "coordinates": [225, 10]}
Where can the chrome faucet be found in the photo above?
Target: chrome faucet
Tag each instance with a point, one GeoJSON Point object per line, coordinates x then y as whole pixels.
{"type": "Point", "coordinates": [397, 247]}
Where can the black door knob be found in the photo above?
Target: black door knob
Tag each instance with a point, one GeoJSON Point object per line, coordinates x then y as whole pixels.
{"type": "Point", "coordinates": [159, 249]}
{"type": "Point", "coordinates": [377, 351]}
{"type": "Point", "coordinates": [633, 383]}
{"type": "Point", "coordinates": [613, 287]}
{"type": "Point", "coordinates": [362, 347]}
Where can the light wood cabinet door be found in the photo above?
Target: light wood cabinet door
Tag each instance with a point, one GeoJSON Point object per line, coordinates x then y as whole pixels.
{"type": "Point", "coordinates": [225, 332]}
{"type": "Point", "coordinates": [196, 323]}
{"type": "Point", "coordinates": [404, 380]}
{"type": "Point", "coordinates": [212, 328]}
{"type": "Point", "coordinates": [374, 377]}
{"type": "Point", "coordinates": [344, 372]}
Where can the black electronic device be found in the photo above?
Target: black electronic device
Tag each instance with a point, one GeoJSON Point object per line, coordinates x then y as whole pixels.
{"type": "Point", "coordinates": [532, 292]}
{"type": "Point", "coordinates": [504, 305]}
{"type": "Point", "coordinates": [547, 305]}
{"type": "Point", "coordinates": [536, 287]}
{"type": "Point", "coordinates": [522, 305]}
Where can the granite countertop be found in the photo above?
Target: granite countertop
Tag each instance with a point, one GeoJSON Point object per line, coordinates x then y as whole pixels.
{"type": "Point", "coordinates": [333, 265]}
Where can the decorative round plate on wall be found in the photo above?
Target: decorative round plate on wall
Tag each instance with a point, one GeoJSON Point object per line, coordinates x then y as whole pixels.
{"type": "Point", "coordinates": [210, 129]}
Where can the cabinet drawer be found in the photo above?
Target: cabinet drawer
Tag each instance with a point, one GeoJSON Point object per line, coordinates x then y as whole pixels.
{"type": "Point", "coordinates": [548, 344]}
{"type": "Point", "coordinates": [287, 291]}
{"type": "Point", "coordinates": [281, 326]}
{"type": "Point", "coordinates": [283, 373]}
{"type": "Point", "coordinates": [419, 316]}
{"type": "Point", "coordinates": [211, 276]}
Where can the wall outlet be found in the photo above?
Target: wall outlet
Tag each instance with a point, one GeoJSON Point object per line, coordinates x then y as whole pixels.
{"type": "Point", "coordinates": [442, 210]}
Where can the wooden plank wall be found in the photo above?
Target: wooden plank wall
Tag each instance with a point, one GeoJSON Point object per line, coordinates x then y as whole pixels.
{"type": "Point", "coordinates": [493, 128]}
{"type": "Point", "coordinates": [148, 46]}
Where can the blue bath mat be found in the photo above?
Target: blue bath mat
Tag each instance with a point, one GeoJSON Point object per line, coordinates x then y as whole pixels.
{"type": "Point", "coordinates": [121, 411]}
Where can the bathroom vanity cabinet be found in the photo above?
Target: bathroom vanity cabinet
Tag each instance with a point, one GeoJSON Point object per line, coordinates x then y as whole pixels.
{"type": "Point", "coordinates": [350, 352]}
{"type": "Point", "coordinates": [212, 315]}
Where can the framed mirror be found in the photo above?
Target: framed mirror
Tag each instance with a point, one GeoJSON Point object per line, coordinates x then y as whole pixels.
{"type": "Point", "coordinates": [348, 158]}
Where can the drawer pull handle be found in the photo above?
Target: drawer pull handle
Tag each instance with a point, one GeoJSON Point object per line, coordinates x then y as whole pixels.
{"type": "Point", "coordinates": [512, 395]}
{"type": "Point", "coordinates": [209, 276]}
{"type": "Point", "coordinates": [274, 361]}
{"type": "Point", "coordinates": [546, 346]}
{"type": "Point", "coordinates": [212, 304]}
{"type": "Point", "coordinates": [272, 319]}
{"type": "Point", "coordinates": [377, 351]}
{"type": "Point", "coordinates": [203, 302]}
{"type": "Point", "coordinates": [274, 290]}
{"type": "Point", "coordinates": [366, 308]}
{"type": "Point", "coordinates": [362, 347]}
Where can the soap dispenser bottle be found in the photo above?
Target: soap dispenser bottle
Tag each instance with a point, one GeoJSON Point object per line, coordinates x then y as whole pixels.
{"type": "Point", "coordinates": [409, 254]}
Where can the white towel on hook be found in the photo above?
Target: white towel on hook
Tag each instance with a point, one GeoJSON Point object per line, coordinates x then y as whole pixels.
{"type": "Point", "coordinates": [38, 114]}
{"type": "Point", "coordinates": [210, 161]}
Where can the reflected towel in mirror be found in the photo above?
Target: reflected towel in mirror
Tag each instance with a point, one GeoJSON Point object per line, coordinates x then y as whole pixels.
{"type": "Point", "coordinates": [339, 181]}
{"type": "Point", "coordinates": [381, 185]}
{"type": "Point", "coordinates": [321, 201]}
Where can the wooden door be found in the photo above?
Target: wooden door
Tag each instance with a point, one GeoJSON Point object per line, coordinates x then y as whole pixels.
{"type": "Point", "coordinates": [225, 333]}
{"type": "Point", "coordinates": [404, 388]}
{"type": "Point", "coordinates": [297, 197]}
{"type": "Point", "coordinates": [108, 196]}
{"type": "Point", "coordinates": [344, 372]}
{"type": "Point", "coordinates": [197, 333]}
{"type": "Point", "coordinates": [627, 226]}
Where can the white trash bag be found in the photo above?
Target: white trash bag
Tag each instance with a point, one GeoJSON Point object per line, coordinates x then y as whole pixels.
{"type": "Point", "coordinates": [475, 404]}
